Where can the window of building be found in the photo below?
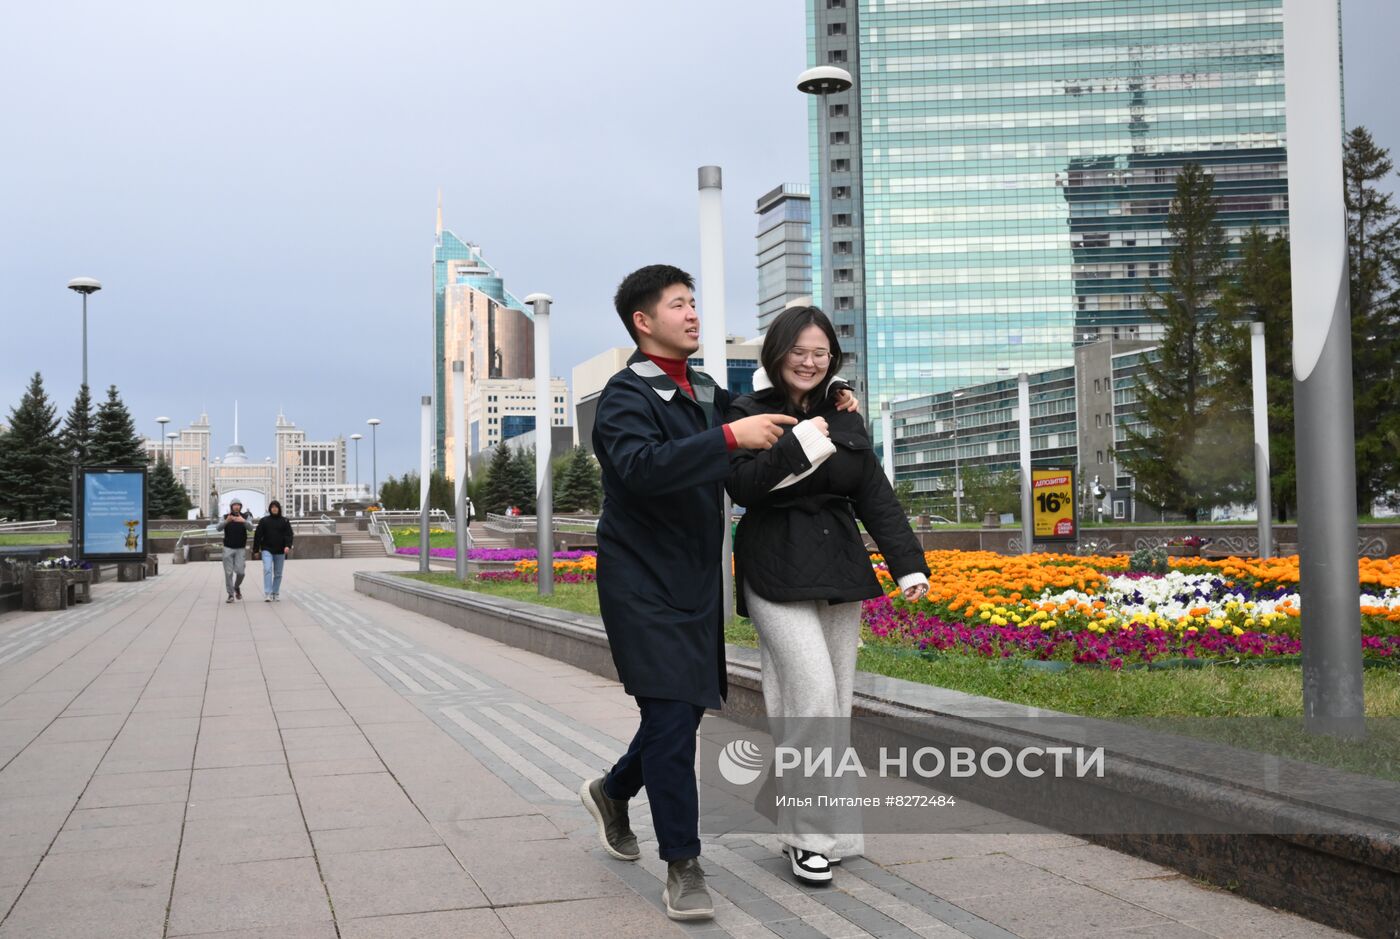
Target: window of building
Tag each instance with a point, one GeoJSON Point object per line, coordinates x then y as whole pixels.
{"type": "Point", "coordinates": [846, 303]}
{"type": "Point", "coordinates": [1130, 270]}
{"type": "Point", "coordinates": [1100, 455]}
{"type": "Point", "coordinates": [1098, 386]}
{"type": "Point", "coordinates": [836, 4]}
{"type": "Point", "coordinates": [841, 192]}
{"type": "Point", "coordinates": [841, 220]}
{"type": "Point", "coordinates": [1098, 420]}
{"type": "Point", "coordinates": [836, 56]}
{"type": "Point", "coordinates": [841, 247]}
{"type": "Point", "coordinates": [1108, 418]}
{"type": "Point", "coordinates": [844, 330]}
{"type": "Point", "coordinates": [836, 29]}
{"type": "Point", "coordinates": [843, 275]}
{"type": "Point", "coordinates": [839, 137]}
{"type": "Point", "coordinates": [842, 165]}
{"type": "Point", "coordinates": [837, 110]}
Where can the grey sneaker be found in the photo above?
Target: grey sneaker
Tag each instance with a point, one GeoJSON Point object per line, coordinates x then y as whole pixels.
{"type": "Point", "coordinates": [614, 829]}
{"type": "Point", "coordinates": [686, 896]}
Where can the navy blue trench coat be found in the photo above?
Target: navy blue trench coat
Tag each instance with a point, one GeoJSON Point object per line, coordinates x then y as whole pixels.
{"type": "Point", "coordinates": [664, 461]}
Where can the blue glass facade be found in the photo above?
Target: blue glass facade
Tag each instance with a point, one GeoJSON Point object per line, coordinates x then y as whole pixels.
{"type": "Point", "coordinates": [1015, 162]}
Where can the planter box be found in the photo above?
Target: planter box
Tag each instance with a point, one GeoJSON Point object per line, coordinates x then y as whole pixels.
{"type": "Point", "coordinates": [1183, 551]}
{"type": "Point", "coordinates": [80, 585]}
{"type": "Point", "coordinates": [152, 565]}
{"type": "Point", "coordinates": [131, 570]}
{"type": "Point", "coordinates": [46, 590]}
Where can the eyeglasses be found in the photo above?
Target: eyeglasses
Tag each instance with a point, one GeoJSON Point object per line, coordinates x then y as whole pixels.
{"type": "Point", "coordinates": [818, 356]}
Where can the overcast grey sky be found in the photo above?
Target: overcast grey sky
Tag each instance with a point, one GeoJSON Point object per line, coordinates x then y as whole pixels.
{"type": "Point", "coordinates": [255, 184]}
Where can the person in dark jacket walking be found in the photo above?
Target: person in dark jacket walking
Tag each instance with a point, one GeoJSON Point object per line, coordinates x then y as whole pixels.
{"type": "Point", "coordinates": [273, 539]}
{"type": "Point", "coordinates": [802, 565]}
{"type": "Point", "coordinates": [664, 452]}
{"type": "Point", "coordinates": [235, 526]}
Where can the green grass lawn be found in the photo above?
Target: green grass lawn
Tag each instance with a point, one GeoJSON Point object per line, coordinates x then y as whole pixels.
{"type": "Point", "coordinates": [54, 537]}
{"type": "Point", "coordinates": [408, 538]}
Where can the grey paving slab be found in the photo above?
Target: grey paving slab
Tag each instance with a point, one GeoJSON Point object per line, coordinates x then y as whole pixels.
{"type": "Point", "coordinates": [398, 880]}
{"type": "Point", "coordinates": [166, 748]}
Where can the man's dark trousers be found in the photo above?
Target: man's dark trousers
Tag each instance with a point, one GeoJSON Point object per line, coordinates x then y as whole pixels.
{"type": "Point", "coordinates": [662, 758]}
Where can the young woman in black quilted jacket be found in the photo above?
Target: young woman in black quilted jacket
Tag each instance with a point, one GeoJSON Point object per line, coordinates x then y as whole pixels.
{"type": "Point", "coordinates": [801, 564]}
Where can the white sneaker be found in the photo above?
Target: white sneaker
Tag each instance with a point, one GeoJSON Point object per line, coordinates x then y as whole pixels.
{"type": "Point", "coordinates": [808, 866]}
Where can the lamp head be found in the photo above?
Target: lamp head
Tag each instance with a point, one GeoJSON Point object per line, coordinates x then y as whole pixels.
{"type": "Point", "coordinates": [357, 436]}
{"type": "Point", "coordinates": [374, 422]}
{"type": "Point", "coordinates": [84, 285]}
{"type": "Point", "coordinates": [824, 80]}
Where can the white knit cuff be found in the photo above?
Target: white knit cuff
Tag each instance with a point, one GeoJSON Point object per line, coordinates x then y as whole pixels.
{"type": "Point", "coordinates": [816, 445]}
{"type": "Point", "coordinates": [911, 580]}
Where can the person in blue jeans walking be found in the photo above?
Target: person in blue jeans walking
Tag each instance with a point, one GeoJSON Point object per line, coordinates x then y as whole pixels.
{"type": "Point", "coordinates": [273, 538]}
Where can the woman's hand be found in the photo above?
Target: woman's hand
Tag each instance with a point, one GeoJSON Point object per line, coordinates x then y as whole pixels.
{"type": "Point", "coordinates": [915, 592]}
{"type": "Point", "coordinates": [845, 401]}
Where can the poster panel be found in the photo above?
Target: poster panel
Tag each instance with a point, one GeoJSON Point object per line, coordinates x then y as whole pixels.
{"type": "Point", "coordinates": [112, 513]}
{"type": "Point", "coordinates": [1052, 504]}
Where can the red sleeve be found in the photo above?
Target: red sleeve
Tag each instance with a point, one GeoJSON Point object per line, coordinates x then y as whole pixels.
{"type": "Point", "coordinates": [729, 439]}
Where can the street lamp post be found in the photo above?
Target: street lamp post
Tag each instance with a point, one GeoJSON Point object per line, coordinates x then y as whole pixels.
{"type": "Point", "coordinates": [357, 438]}
{"type": "Point", "coordinates": [1333, 698]}
{"type": "Point", "coordinates": [424, 478]}
{"type": "Point", "coordinates": [374, 423]}
{"type": "Point", "coordinates": [711, 184]}
{"type": "Point", "coordinates": [459, 460]}
{"type": "Point", "coordinates": [160, 438]}
{"type": "Point", "coordinates": [84, 286]}
{"type": "Point", "coordinates": [1263, 493]}
{"type": "Point", "coordinates": [170, 455]}
{"type": "Point", "coordinates": [957, 463]}
{"type": "Point", "coordinates": [544, 436]}
{"type": "Point", "coordinates": [887, 432]}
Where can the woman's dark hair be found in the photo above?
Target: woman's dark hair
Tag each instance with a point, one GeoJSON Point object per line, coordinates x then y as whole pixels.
{"type": "Point", "coordinates": [273, 503]}
{"type": "Point", "coordinates": [642, 289]}
{"type": "Point", "coordinates": [782, 336]}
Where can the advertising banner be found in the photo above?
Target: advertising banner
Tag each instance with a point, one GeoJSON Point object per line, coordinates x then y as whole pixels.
{"type": "Point", "coordinates": [111, 521]}
{"type": "Point", "coordinates": [1052, 504]}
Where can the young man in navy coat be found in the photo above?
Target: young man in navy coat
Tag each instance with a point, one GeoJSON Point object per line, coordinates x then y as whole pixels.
{"type": "Point", "coordinates": [660, 439]}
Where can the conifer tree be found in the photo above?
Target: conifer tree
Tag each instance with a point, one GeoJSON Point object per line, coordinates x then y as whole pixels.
{"type": "Point", "coordinates": [114, 439]}
{"type": "Point", "coordinates": [497, 490]}
{"type": "Point", "coordinates": [35, 477]}
{"type": "Point", "coordinates": [167, 498]}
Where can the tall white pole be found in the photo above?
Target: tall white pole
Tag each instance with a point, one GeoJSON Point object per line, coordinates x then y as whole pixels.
{"type": "Point", "coordinates": [1263, 493]}
{"type": "Point", "coordinates": [957, 464]}
{"type": "Point", "coordinates": [425, 470]}
{"type": "Point", "coordinates": [887, 432]}
{"type": "Point", "coordinates": [712, 330]}
{"type": "Point", "coordinates": [1023, 413]}
{"type": "Point", "coordinates": [544, 439]}
{"type": "Point", "coordinates": [1322, 392]}
{"type": "Point", "coordinates": [459, 460]}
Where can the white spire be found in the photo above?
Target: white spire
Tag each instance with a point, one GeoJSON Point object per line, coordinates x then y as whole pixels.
{"type": "Point", "coordinates": [235, 422]}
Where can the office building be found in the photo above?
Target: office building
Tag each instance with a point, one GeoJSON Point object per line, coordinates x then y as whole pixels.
{"type": "Point", "coordinates": [502, 408]}
{"type": "Point", "coordinates": [310, 473]}
{"type": "Point", "coordinates": [994, 188]}
{"type": "Point", "coordinates": [188, 455]}
{"type": "Point", "coordinates": [784, 250]}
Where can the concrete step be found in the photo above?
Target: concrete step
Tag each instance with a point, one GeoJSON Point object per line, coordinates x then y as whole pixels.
{"type": "Point", "coordinates": [361, 549]}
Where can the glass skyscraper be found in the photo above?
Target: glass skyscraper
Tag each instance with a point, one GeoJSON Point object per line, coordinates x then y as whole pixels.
{"type": "Point", "coordinates": [994, 188]}
{"type": "Point", "coordinates": [784, 250]}
{"type": "Point", "coordinates": [456, 262]}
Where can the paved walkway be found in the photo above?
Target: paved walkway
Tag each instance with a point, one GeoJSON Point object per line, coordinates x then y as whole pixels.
{"type": "Point", "coordinates": [333, 766]}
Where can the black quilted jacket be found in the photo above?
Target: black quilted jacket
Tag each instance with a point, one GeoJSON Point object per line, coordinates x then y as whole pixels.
{"type": "Point", "coordinates": [801, 542]}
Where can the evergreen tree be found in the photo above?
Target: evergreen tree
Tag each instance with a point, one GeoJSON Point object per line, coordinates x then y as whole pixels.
{"type": "Point", "coordinates": [76, 436]}
{"type": "Point", "coordinates": [1373, 256]}
{"type": "Point", "coordinates": [441, 493]}
{"type": "Point", "coordinates": [167, 498]}
{"type": "Point", "coordinates": [522, 480]}
{"type": "Point", "coordinates": [34, 474]}
{"type": "Point", "coordinates": [578, 484]}
{"type": "Point", "coordinates": [1188, 456]}
{"type": "Point", "coordinates": [1261, 286]}
{"type": "Point", "coordinates": [497, 490]}
{"type": "Point", "coordinates": [114, 439]}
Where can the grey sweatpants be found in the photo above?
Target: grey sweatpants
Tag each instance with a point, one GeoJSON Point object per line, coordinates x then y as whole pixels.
{"type": "Point", "coordinates": [235, 559]}
{"type": "Point", "coordinates": [808, 654]}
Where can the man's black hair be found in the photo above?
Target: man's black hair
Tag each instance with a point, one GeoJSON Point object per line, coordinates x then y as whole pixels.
{"type": "Point", "coordinates": [642, 289]}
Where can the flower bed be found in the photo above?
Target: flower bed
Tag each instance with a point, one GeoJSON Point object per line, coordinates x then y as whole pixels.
{"type": "Point", "coordinates": [1092, 610]}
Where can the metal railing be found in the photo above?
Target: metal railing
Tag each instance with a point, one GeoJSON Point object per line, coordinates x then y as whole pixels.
{"type": "Point", "coordinates": [16, 528]}
{"type": "Point", "coordinates": [510, 524]}
{"type": "Point", "coordinates": [396, 518]}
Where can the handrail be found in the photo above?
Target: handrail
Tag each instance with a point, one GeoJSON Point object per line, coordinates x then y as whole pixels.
{"type": "Point", "coordinates": [13, 528]}
{"type": "Point", "coordinates": [507, 524]}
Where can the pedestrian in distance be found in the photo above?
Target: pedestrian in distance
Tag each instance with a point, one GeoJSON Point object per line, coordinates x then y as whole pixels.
{"type": "Point", "coordinates": [802, 565]}
{"type": "Point", "coordinates": [664, 452]}
{"type": "Point", "coordinates": [273, 539]}
{"type": "Point", "coordinates": [235, 526]}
